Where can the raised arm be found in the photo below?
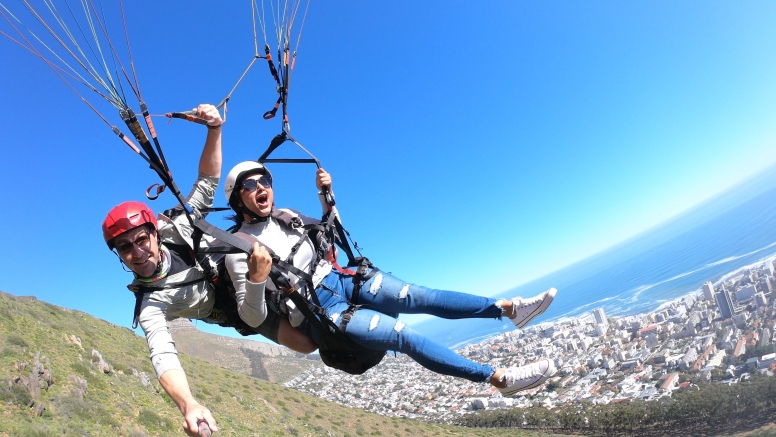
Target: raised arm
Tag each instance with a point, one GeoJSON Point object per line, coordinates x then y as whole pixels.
{"type": "Point", "coordinates": [210, 161]}
{"type": "Point", "coordinates": [203, 192]}
{"type": "Point", "coordinates": [323, 180]}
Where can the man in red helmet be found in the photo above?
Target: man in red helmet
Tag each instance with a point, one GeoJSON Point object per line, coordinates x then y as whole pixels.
{"type": "Point", "coordinates": [170, 284]}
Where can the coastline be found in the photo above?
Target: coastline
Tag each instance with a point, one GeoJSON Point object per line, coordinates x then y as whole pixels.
{"type": "Point", "coordinates": [695, 293]}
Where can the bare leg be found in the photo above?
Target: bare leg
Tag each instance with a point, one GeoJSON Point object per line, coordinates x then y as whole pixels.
{"type": "Point", "coordinates": [496, 380]}
{"type": "Point", "coordinates": [295, 339]}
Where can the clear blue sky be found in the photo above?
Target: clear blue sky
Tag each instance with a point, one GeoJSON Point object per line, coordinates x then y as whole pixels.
{"type": "Point", "coordinates": [474, 145]}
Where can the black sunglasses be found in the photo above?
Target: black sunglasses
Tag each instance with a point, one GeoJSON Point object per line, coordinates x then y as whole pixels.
{"type": "Point", "coordinates": [252, 184]}
{"type": "Point", "coordinates": [143, 240]}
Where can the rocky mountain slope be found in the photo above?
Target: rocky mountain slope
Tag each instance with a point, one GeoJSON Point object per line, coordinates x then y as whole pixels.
{"type": "Point", "coordinates": [261, 360]}
{"type": "Point", "coordinates": [64, 372]}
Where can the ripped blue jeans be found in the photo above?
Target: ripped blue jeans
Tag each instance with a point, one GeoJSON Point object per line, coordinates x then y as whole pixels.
{"type": "Point", "coordinates": [375, 324]}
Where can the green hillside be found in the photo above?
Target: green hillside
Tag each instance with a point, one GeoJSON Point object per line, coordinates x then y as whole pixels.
{"type": "Point", "coordinates": [265, 361]}
{"type": "Point", "coordinates": [53, 384]}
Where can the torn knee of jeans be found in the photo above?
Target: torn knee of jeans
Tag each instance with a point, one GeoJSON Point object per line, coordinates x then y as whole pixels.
{"type": "Point", "coordinates": [334, 317]}
{"type": "Point", "coordinates": [377, 282]}
{"type": "Point", "coordinates": [398, 326]}
{"type": "Point", "coordinates": [404, 291]}
{"type": "Point", "coordinates": [373, 323]}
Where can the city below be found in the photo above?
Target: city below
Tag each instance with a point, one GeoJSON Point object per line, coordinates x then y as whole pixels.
{"type": "Point", "coordinates": [720, 334]}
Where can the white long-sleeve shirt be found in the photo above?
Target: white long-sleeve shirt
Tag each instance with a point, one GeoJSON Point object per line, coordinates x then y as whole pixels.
{"type": "Point", "coordinates": [190, 301]}
{"type": "Point", "coordinates": [251, 303]}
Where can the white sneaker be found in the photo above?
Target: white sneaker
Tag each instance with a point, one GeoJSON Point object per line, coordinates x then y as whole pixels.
{"type": "Point", "coordinates": [527, 377]}
{"type": "Point", "coordinates": [525, 310]}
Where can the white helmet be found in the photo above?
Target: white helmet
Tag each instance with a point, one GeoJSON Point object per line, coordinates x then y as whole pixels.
{"type": "Point", "coordinates": [239, 172]}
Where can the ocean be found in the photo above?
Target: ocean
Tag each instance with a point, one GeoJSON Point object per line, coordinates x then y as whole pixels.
{"type": "Point", "coordinates": [733, 229]}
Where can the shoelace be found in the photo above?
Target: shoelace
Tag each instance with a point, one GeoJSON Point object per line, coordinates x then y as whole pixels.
{"type": "Point", "coordinates": [528, 302]}
{"type": "Point", "coordinates": [524, 303]}
{"type": "Point", "coordinates": [521, 373]}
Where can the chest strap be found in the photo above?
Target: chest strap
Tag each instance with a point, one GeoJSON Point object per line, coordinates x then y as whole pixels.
{"type": "Point", "coordinates": [140, 290]}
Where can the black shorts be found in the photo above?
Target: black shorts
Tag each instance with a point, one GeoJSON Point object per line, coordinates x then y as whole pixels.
{"type": "Point", "coordinates": [269, 327]}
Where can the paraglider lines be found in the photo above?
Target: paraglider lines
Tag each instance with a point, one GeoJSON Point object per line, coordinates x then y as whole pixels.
{"type": "Point", "coordinates": [93, 61]}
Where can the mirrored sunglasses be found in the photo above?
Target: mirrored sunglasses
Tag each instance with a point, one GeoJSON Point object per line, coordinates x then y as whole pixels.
{"type": "Point", "coordinates": [252, 184]}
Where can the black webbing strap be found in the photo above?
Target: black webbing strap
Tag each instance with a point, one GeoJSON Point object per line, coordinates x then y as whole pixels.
{"type": "Point", "coordinates": [342, 236]}
{"type": "Point", "coordinates": [274, 144]}
{"type": "Point", "coordinates": [361, 276]}
{"type": "Point", "coordinates": [178, 210]}
{"type": "Point", "coordinates": [226, 249]}
{"type": "Point", "coordinates": [138, 304]}
{"type": "Point", "coordinates": [221, 235]}
{"type": "Point", "coordinates": [242, 246]}
{"type": "Point", "coordinates": [305, 307]}
{"type": "Point", "coordinates": [348, 315]}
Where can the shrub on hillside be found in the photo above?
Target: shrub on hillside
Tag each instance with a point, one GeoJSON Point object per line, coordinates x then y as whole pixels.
{"type": "Point", "coordinates": [89, 374]}
{"type": "Point", "coordinates": [74, 406]}
{"type": "Point", "coordinates": [17, 394]}
{"type": "Point", "coordinates": [37, 432]}
{"type": "Point", "coordinates": [152, 421]}
{"type": "Point", "coordinates": [17, 341]}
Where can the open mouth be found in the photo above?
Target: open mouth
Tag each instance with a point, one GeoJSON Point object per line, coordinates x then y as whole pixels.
{"type": "Point", "coordinates": [261, 198]}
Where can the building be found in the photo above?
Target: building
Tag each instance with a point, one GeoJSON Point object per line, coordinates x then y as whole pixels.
{"type": "Point", "coordinates": [765, 338]}
{"type": "Point", "coordinates": [766, 361]}
{"type": "Point", "coordinates": [760, 300]}
{"type": "Point", "coordinates": [745, 293]}
{"type": "Point", "coordinates": [764, 285]}
{"type": "Point", "coordinates": [739, 320]}
{"type": "Point", "coordinates": [600, 317]}
{"type": "Point", "coordinates": [725, 304]}
{"type": "Point", "coordinates": [630, 364]}
{"type": "Point", "coordinates": [708, 290]}
{"type": "Point", "coordinates": [740, 349]}
{"type": "Point", "coordinates": [651, 340]}
{"type": "Point", "coordinates": [688, 359]}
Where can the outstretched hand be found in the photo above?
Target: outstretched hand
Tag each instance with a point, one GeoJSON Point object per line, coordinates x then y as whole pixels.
{"type": "Point", "coordinates": [209, 113]}
{"type": "Point", "coordinates": [195, 413]}
{"type": "Point", "coordinates": [259, 264]}
{"type": "Point", "coordinates": [322, 179]}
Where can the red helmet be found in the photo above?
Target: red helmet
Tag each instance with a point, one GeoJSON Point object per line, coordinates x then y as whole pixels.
{"type": "Point", "coordinates": [126, 216]}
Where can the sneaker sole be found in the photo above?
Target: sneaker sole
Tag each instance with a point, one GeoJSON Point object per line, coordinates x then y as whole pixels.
{"type": "Point", "coordinates": [550, 371]}
{"type": "Point", "coordinates": [542, 308]}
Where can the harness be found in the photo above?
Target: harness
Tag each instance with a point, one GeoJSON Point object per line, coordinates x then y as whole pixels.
{"type": "Point", "coordinates": [141, 290]}
{"type": "Point", "coordinates": [336, 349]}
